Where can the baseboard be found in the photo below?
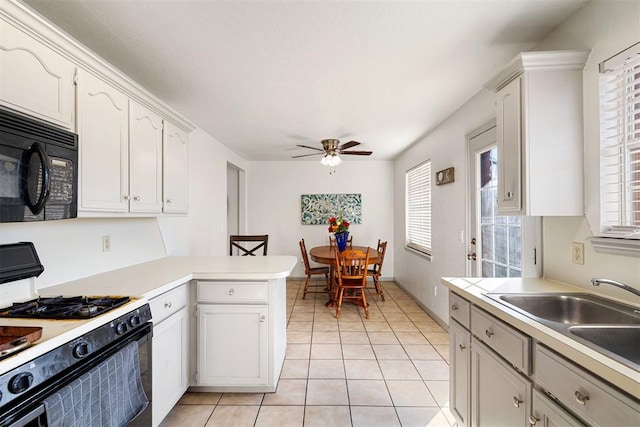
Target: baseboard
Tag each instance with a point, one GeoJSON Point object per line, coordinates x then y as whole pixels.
{"type": "Point", "coordinates": [435, 317]}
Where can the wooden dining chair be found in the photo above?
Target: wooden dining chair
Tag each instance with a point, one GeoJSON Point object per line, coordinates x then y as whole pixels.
{"type": "Point", "coordinates": [310, 271]}
{"type": "Point", "coordinates": [332, 241]}
{"type": "Point", "coordinates": [351, 276]}
{"type": "Point", "coordinates": [248, 245]}
{"type": "Point", "coordinates": [376, 271]}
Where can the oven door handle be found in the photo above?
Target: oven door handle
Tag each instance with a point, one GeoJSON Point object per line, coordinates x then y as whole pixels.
{"type": "Point", "coordinates": [37, 207]}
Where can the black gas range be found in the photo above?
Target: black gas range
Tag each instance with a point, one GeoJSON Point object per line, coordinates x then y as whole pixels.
{"type": "Point", "coordinates": [76, 307]}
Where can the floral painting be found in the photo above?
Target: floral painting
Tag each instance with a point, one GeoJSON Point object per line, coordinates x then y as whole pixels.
{"type": "Point", "coordinates": [318, 208]}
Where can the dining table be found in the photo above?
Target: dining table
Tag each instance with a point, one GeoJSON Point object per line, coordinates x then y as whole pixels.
{"type": "Point", "coordinates": [327, 255]}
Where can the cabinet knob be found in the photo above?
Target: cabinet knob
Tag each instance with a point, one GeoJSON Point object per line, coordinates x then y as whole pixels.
{"type": "Point", "coordinates": [581, 398]}
{"type": "Point", "coordinates": [454, 307]}
{"type": "Point", "coordinates": [136, 198]}
{"type": "Point", "coordinates": [169, 201]}
{"type": "Point", "coordinates": [533, 420]}
{"type": "Point", "coordinates": [509, 195]}
{"type": "Point", "coordinates": [167, 304]}
{"type": "Point", "coordinates": [516, 401]}
{"type": "Point", "coordinates": [127, 197]}
{"type": "Point", "coordinates": [262, 318]}
{"type": "Point", "coordinates": [232, 291]}
{"type": "Point", "coordinates": [462, 347]}
{"type": "Point", "coordinates": [489, 333]}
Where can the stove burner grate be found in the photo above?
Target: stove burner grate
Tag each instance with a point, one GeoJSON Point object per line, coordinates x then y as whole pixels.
{"type": "Point", "coordinates": [63, 307]}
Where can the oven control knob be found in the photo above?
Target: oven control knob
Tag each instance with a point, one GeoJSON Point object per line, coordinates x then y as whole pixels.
{"type": "Point", "coordinates": [20, 382]}
{"type": "Point", "coordinates": [80, 350]}
{"type": "Point", "coordinates": [121, 328]}
{"type": "Point", "coordinates": [134, 320]}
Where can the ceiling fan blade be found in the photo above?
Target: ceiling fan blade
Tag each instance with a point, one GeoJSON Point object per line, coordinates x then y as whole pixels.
{"type": "Point", "coordinates": [358, 153]}
{"type": "Point", "coordinates": [348, 145]}
{"type": "Point", "coordinates": [305, 155]}
{"type": "Point", "coordinates": [312, 148]}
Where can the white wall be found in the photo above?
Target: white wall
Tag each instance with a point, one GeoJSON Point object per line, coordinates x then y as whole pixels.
{"type": "Point", "coordinates": [273, 197]}
{"type": "Point", "coordinates": [605, 28]}
{"type": "Point", "coordinates": [445, 147]}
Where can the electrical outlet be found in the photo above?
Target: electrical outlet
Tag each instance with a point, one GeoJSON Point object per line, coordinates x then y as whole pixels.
{"type": "Point", "coordinates": [577, 253]}
{"type": "Point", "coordinates": [106, 243]}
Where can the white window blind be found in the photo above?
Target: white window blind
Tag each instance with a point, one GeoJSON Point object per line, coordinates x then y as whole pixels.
{"type": "Point", "coordinates": [620, 140]}
{"type": "Point", "coordinates": [418, 207]}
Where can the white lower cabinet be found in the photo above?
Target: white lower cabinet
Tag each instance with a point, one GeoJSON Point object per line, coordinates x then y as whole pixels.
{"type": "Point", "coordinates": [170, 370]}
{"type": "Point", "coordinates": [232, 345]}
{"type": "Point", "coordinates": [460, 373]}
{"type": "Point", "coordinates": [500, 396]}
{"type": "Point", "coordinates": [547, 413]}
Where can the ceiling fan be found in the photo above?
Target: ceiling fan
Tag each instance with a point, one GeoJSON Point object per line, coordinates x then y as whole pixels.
{"type": "Point", "coordinates": [331, 151]}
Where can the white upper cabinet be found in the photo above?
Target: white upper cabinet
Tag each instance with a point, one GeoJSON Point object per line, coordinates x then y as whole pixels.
{"type": "Point", "coordinates": [34, 79]}
{"type": "Point", "coordinates": [103, 132]}
{"type": "Point", "coordinates": [145, 159]}
{"type": "Point", "coordinates": [540, 134]}
{"type": "Point", "coordinates": [175, 169]}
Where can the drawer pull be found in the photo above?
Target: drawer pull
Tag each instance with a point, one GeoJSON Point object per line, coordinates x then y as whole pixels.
{"type": "Point", "coordinates": [167, 304]}
{"type": "Point", "coordinates": [533, 420]}
{"type": "Point", "coordinates": [454, 307]}
{"type": "Point", "coordinates": [262, 318]}
{"type": "Point", "coordinates": [509, 195]}
{"type": "Point", "coordinates": [516, 401]}
{"type": "Point", "coordinates": [462, 347]}
{"type": "Point", "coordinates": [489, 333]}
{"type": "Point", "coordinates": [232, 291]}
{"type": "Point", "coordinates": [581, 398]}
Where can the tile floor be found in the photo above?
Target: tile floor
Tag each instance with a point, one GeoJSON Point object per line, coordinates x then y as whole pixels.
{"type": "Point", "coordinates": [389, 370]}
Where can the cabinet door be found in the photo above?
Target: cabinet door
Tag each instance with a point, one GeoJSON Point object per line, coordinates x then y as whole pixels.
{"type": "Point", "coordinates": [547, 413]}
{"type": "Point", "coordinates": [103, 116]}
{"type": "Point", "coordinates": [145, 159]}
{"type": "Point", "coordinates": [35, 79]}
{"type": "Point", "coordinates": [509, 140]}
{"type": "Point", "coordinates": [232, 345]}
{"type": "Point", "coordinates": [175, 171]}
{"type": "Point", "coordinates": [170, 368]}
{"type": "Point", "coordinates": [460, 372]}
{"type": "Point", "coordinates": [499, 395]}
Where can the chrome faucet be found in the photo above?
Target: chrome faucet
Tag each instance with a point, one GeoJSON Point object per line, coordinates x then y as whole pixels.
{"type": "Point", "coordinates": [597, 282]}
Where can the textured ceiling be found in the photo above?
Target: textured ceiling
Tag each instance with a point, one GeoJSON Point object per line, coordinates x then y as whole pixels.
{"type": "Point", "coordinates": [263, 76]}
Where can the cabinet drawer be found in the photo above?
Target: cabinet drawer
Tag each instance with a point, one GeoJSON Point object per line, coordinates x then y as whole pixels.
{"type": "Point", "coordinates": [232, 292]}
{"type": "Point", "coordinates": [164, 305]}
{"type": "Point", "coordinates": [459, 309]}
{"type": "Point", "coordinates": [589, 397]}
{"type": "Point", "coordinates": [510, 343]}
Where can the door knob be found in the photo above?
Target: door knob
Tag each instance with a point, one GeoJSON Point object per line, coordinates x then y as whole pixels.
{"type": "Point", "coordinates": [471, 256]}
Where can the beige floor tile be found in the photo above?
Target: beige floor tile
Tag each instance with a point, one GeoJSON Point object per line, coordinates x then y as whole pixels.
{"type": "Point", "coordinates": [383, 338]}
{"type": "Point", "coordinates": [327, 416]}
{"type": "Point", "coordinates": [298, 351]}
{"type": "Point", "coordinates": [192, 398]}
{"type": "Point", "coordinates": [357, 351]}
{"type": "Point", "coordinates": [354, 337]}
{"type": "Point", "coordinates": [440, 391]}
{"type": "Point", "coordinates": [233, 416]}
{"type": "Point", "coordinates": [327, 392]}
{"type": "Point", "coordinates": [377, 326]}
{"type": "Point", "coordinates": [411, 338]}
{"type": "Point", "coordinates": [410, 393]}
{"type": "Point", "coordinates": [241, 399]}
{"type": "Point", "coordinates": [289, 392]}
{"type": "Point", "coordinates": [437, 338]}
{"type": "Point", "coordinates": [325, 326]}
{"type": "Point", "coordinates": [301, 316]}
{"type": "Point", "coordinates": [299, 337]}
{"type": "Point", "coordinates": [429, 327]}
{"type": "Point", "coordinates": [295, 369]}
{"type": "Point", "coordinates": [363, 370]}
{"type": "Point", "coordinates": [398, 370]}
{"type": "Point", "coordinates": [421, 352]}
{"type": "Point", "coordinates": [368, 416]}
{"type": "Point", "coordinates": [443, 350]}
{"type": "Point", "coordinates": [432, 370]}
{"type": "Point", "coordinates": [280, 416]}
{"type": "Point", "coordinates": [320, 368]}
{"type": "Point", "coordinates": [389, 351]}
{"type": "Point", "coordinates": [350, 326]}
{"type": "Point", "coordinates": [403, 326]}
{"type": "Point", "coordinates": [326, 351]}
{"type": "Point", "coordinates": [188, 416]}
{"type": "Point", "coordinates": [449, 416]}
{"type": "Point", "coordinates": [326, 337]}
{"type": "Point", "coordinates": [422, 417]}
{"type": "Point", "coordinates": [368, 393]}
{"type": "Point", "coordinates": [302, 307]}
{"type": "Point", "coordinates": [299, 326]}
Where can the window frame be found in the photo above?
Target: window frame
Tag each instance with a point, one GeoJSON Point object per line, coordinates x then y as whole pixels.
{"type": "Point", "coordinates": [418, 209]}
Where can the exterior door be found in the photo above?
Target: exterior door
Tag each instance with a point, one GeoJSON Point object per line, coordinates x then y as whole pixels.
{"type": "Point", "coordinates": [499, 245]}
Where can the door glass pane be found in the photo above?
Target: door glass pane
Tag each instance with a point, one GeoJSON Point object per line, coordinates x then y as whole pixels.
{"type": "Point", "coordinates": [500, 235]}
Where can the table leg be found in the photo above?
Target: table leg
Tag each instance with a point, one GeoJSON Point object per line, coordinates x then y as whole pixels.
{"type": "Point", "coordinates": [333, 287]}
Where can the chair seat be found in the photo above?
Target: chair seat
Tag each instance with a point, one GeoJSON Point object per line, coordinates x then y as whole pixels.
{"type": "Point", "coordinates": [318, 270]}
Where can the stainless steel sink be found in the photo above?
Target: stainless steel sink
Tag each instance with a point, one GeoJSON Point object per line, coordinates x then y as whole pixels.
{"type": "Point", "coordinates": [603, 325]}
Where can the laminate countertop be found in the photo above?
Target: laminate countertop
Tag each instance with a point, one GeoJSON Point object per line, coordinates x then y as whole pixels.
{"type": "Point", "coordinates": [474, 289]}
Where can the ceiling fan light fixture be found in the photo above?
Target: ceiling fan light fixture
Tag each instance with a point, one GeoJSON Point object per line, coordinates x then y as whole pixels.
{"type": "Point", "coordinates": [331, 160]}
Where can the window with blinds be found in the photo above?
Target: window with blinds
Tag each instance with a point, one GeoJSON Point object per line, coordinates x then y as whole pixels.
{"type": "Point", "coordinates": [418, 207]}
{"type": "Point", "coordinates": [620, 141]}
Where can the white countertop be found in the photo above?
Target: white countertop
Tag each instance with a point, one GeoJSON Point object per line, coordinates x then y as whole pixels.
{"type": "Point", "coordinates": [473, 289]}
{"type": "Point", "coordinates": [143, 282]}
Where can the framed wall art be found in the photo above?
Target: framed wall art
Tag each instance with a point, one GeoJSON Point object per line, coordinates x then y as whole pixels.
{"type": "Point", "coordinates": [318, 208]}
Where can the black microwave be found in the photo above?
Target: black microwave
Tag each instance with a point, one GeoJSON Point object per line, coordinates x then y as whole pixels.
{"type": "Point", "coordinates": [38, 170]}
